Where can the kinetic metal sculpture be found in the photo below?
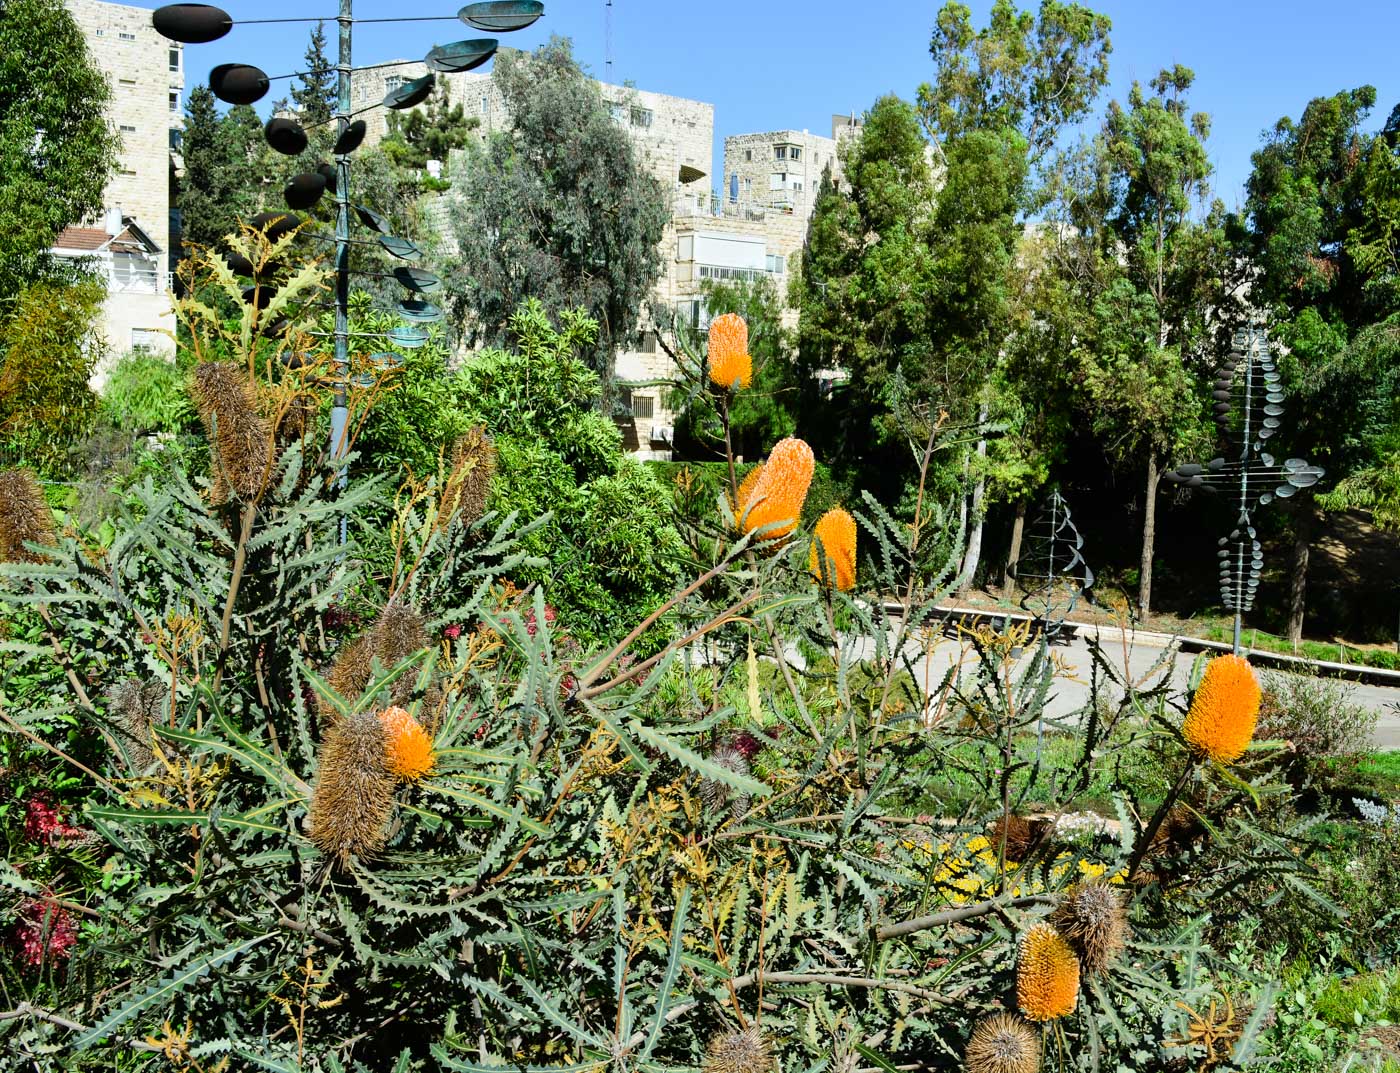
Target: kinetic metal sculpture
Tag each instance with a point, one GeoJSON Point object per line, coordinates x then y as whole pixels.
{"type": "Point", "coordinates": [1054, 573]}
{"type": "Point", "coordinates": [1248, 407]}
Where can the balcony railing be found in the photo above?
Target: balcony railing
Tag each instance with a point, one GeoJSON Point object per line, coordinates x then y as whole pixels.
{"type": "Point", "coordinates": [688, 204]}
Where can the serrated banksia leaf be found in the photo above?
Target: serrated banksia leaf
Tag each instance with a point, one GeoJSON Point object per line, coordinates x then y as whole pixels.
{"type": "Point", "coordinates": [354, 790]}
{"type": "Point", "coordinates": [1047, 974]}
{"type": "Point", "coordinates": [1003, 1043]}
{"type": "Point", "coordinates": [744, 1050]}
{"type": "Point", "coordinates": [24, 517]}
{"type": "Point", "coordinates": [1093, 919]}
{"type": "Point", "coordinates": [468, 485]}
{"type": "Point", "coordinates": [834, 549]}
{"type": "Point", "coordinates": [731, 366]}
{"type": "Point", "coordinates": [239, 433]}
{"type": "Point", "coordinates": [1224, 710]}
{"type": "Point", "coordinates": [408, 748]}
{"type": "Point", "coordinates": [777, 494]}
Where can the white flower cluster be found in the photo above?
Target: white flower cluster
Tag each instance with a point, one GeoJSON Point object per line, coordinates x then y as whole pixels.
{"type": "Point", "coordinates": [1374, 814]}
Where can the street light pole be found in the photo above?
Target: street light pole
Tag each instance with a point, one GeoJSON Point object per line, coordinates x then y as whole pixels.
{"type": "Point", "coordinates": [340, 411]}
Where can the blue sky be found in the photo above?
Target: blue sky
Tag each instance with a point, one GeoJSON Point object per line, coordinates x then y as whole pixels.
{"type": "Point", "coordinates": [770, 65]}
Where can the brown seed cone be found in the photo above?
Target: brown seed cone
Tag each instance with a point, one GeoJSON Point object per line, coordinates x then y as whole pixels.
{"type": "Point", "coordinates": [469, 481]}
{"type": "Point", "coordinates": [134, 706]}
{"type": "Point", "coordinates": [240, 434]}
{"type": "Point", "coordinates": [398, 633]}
{"type": "Point", "coordinates": [24, 516]}
{"type": "Point", "coordinates": [716, 794]}
{"type": "Point", "coordinates": [1003, 1043]}
{"type": "Point", "coordinates": [1093, 919]}
{"type": "Point", "coordinates": [1023, 836]}
{"type": "Point", "coordinates": [354, 789]}
{"type": "Point", "coordinates": [744, 1050]}
{"type": "Point", "coordinates": [349, 674]}
{"type": "Point", "coordinates": [1180, 827]}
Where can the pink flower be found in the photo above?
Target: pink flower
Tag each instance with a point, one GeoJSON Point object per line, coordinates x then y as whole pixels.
{"type": "Point", "coordinates": [43, 822]}
{"type": "Point", "coordinates": [745, 744]}
{"type": "Point", "coordinates": [46, 931]}
{"type": "Point", "coordinates": [530, 619]}
{"type": "Point", "coordinates": [452, 632]}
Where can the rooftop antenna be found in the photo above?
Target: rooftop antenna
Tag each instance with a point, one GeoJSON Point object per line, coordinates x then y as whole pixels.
{"type": "Point", "coordinates": [607, 41]}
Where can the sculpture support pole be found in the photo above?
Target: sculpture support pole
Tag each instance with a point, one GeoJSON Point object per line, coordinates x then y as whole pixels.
{"type": "Point", "coordinates": [339, 411]}
{"type": "Point", "coordinates": [1254, 334]}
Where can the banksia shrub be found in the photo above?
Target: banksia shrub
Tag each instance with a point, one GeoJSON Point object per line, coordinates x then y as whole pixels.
{"type": "Point", "coordinates": [1047, 974]}
{"type": "Point", "coordinates": [731, 367]}
{"type": "Point", "coordinates": [239, 433]}
{"type": "Point", "coordinates": [1003, 1043]}
{"type": "Point", "coordinates": [1094, 921]}
{"type": "Point", "coordinates": [834, 549]}
{"type": "Point", "coordinates": [24, 516]}
{"type": "Point", "coordinates": [473, 464]}
{"type": "Point", "coordinates": [354, 790]}
{"type": "Point", "coordinates": [408, 748]}
{"type": "Point", "coordinates": [1224, 710]}
{"type": "Point", "coordinates": [777, 494]}
{"type": "Point", "coordinates": [744, 1050]}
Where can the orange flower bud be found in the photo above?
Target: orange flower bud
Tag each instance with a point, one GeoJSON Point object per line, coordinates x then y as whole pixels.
{"type": "Point", "coordinates": [834, 549]}
{"type": "Point", "coordinates": [1047, 975]}
{"type": "Point", "coordinates": [1224, 710]}
{"type": "Point", "coordinates": [408, 749]}
{"type": "Point", "coordinates": [731, 367]}
{"type": "Point", "coordinates": [778, 492]}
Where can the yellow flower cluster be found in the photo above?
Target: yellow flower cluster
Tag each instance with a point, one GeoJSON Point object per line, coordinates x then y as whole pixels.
{"type": "Point", "coordinates": [967, 867]}
{"type": "Point", "coordinates": [1047, 974]}
{"type": "Point", "coordinates": [408, 748]}
{"type": "Point", "coordinates": [774, 491]}
{"type": "Point", "coordinates": [834, 550]}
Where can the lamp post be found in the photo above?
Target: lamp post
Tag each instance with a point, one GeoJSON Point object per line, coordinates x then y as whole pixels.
{"type": "Point", "coordinates": [238, 83]}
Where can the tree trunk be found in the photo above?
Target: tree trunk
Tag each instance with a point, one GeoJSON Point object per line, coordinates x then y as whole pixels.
{"type": "Point", "coordinates": [973, 554]}
{"type": "Point", "coordinates": [1298, 573]}
{"type": "Point", "coordinates": [1018, 529]}
{"type": "Point", "coordinates": [1149, 537]}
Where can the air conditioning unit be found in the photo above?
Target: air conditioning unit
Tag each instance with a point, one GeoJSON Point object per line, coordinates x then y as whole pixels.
{"type": "Point", "coordinates": [662, 434]}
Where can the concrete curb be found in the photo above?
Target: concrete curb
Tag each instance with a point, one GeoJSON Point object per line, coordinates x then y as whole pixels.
{"type": "Point", "coordinates": [1151, 639]}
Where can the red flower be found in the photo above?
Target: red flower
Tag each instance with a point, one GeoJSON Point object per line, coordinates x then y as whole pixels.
{"type": "Point", "coordinates": [745, 743]}
{"type": "Point", "coordinates": [452, 632]}
{"type": "Point", "coordinates": [43, 822]}
{"type": "Point", "coordinates": [530, 619]}
{"type": "Point", "coordinates": [46, 931]}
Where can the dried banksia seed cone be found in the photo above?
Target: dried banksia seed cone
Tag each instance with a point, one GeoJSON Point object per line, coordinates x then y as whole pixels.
{"type": "Point", "coordinates": [1003, 1043]}
{"type": "Point", "coordinates": [24, 517]}
{"type": "Point", "coordinates": [834, 549]}
{"type": "Point", "coordinates": [350, 672]}
{"type": "Point", "coordinates": [398, 633]}
{"type": "Point", "coordinates": [777, 495]}
{"type": "Point", "coordinates": [1047, 974]}
{"type": "Point", "coordinates": [1020, 834]}
{"type": "Point", "coordinates": [408, 749]}
{"type": "Point", "coordinates": [240, 434]}
{"type": "Point", "coordinates": [744, 1050]}
{"type": "Point", "coordinates": [731, 367]}
{"type": "Point", "coordinates": [1224, 710]}
{"type": "Point", "coordinates": [716, 794]}
{"type": "Point", "coordinates": [1093, 920]}
{"type": "Point", "coordinates": [135, 706]}
{"type": "Point", "coordinates": [354, 788]}
{"type": "Point", "coordinates": [469, 480]}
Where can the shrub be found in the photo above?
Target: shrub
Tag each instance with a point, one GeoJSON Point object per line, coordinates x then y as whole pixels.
{"type": "Point", "coordinates": [1317, 715]}
{"type": "Point", "coordinates": [146, 393]}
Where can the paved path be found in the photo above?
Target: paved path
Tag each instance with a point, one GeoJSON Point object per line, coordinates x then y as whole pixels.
{"type": "Point", "coordinates": [1148, 659]}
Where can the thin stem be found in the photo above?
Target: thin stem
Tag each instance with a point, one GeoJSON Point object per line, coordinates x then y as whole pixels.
{"type": "Point", "coordinates": [61, 755]}
{"type": "Point", "coordinates": [240, 560]}
{"type": "Point", "coordinates": [1154, 825]}
{"type": "Point", "coordinates": [953, 916]}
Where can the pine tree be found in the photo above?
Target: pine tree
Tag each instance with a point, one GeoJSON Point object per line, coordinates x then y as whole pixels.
{"type": "Point", "coordinates": [315, 98]}
{"type": "Point", "coordinates": [205, 155]}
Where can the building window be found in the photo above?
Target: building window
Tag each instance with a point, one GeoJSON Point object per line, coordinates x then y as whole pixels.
{"type": "Point", "coordinates": [797, 185]}
{"type": "Point", "coordinates": [647, 344]}
{"type": "Point", "coordinates": [794, 153]}
{"type": "Point", "coordinates": [748, 155]}
{"type": "Point", "coordinates": [128, 171]}
{"type": "Point", "coordinates": [177, 138]}
{"type": "Point", "coordinates": [392, 82]}
{"type": "Point", "coordinates": [748, 186]}
{"type": "Point", "coordinates": [127, 129]}
{"type": "Point", "coordinates": [641, 117]}
{"type": "Point", "coordinates": [776, 264]}
{"type": "Point", "coordinates": [777, 180]}
{"type": "Point", "coordinates": [145, 340]}
{"type": "Point", "coordinates": [127, 81]}
{"type": "Point", "coordinates": [483, 105]}
{"type": "Point", "coordinates": [127, 37]}
{"type": "Point", "coordinates": [174, 59]}
{"type": "Point", "coordinates": [643, 406]}
{"type": "Point", "coordinates": [100, 32]}
{"type": "Point", "coordinates": [780, 152]}
{"type": "Point", "coordinates": [174, 101]}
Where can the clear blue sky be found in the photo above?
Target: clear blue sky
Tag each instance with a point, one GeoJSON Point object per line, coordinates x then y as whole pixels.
{"type": "Point", "coordinates": [772, 64]}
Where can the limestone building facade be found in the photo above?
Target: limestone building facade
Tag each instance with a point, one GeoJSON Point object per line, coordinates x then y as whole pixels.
{"type": "Point", "coordinates": [131, 242]}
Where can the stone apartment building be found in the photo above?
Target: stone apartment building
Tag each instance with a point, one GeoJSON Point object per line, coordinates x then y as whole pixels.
{"type": "Point", "coordinates": [131, 241]}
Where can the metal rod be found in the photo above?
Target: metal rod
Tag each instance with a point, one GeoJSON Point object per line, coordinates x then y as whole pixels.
{"type": "Point", "coordinates": [1244, 486]}
{"type": "Point", "coordinates": [367, 67]}
{"type": "Point", "coordinates": [340, 411]}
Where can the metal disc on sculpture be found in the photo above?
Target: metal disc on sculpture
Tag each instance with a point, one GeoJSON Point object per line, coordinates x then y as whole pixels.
{"type": "Point", "coordinates": [295, 361]}
{"type": "Point", "coordinates": [502, 16]}
{"type": "Point", "coordinates": [191, 24]}
{"type": "Point", "coordinates": [423, 312]}
{"type": "Point", "coordinates": [417, 279]}
{"type": "Point", "coordinates": [407, 337]}
{"type": "Point", "coordinates": [400, 247]}
{"type": "Point", "coordinates": [330, 174]}
{"type": "Point", "coordinates": [239, 264]}
{"type": "Point", "coordinates": [461, 55]}
{"type": "Point", "coordinates": [238, 83]}
{"type": "Point", "coordinates": [350, 138]}
{"type": "Point", "coordinates": [1223, 407]}
{"type": "Point", "coordinates": [260, 296]}
{"type": "Point", "coordinates": [1222, 395]}
{"type": "Point", "coordinates": [285, 135]}
{"type": "Point", "coordinates": [386, 360]}
{"type": "Point", "coordinates": [304, 190]}
{"type": "Point", "coordinates": [371, 219]}
{"type": "Point", "coordinates": [363, 380]}
{"type": "Point", "coordinates": [410, 93]}
{"type": "Point", "coordinates": [276, 224]}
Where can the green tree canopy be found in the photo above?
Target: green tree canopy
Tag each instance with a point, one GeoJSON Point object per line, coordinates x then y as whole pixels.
{"type": "Point", "coordinates": [316, 93]}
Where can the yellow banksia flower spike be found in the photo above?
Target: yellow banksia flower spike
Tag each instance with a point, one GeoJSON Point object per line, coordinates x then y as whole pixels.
{"type": "Point", "coordinates": [834, 549]}
{"type": "Point", "coordinates": [408, 748]}
{"type": "Point", "coordinates": [1047, 974]}
{"type": "Point", "coordinates": [1224, 710]}
{"type": "Point", "coordinates": [731, 366]}
{"type": "Point", "coordinates": [777, 494]}
{"type": "Point", "coordinates": [1003, 1043]}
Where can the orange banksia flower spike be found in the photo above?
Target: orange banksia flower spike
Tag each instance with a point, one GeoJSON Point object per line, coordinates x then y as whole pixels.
{"type": "Point", "coordinates": [408, 748]}
{"type": "Point", "coordinates": [834, 549]}
{"type": "Point", "coordinates": [1047, 974]}
{"type": "Point", "coordinates": [1224, 710]}
{"type": "Point", "coordinates": [777, 494]}
{"type": "Point", "coordinates": [731, 367]}
{"type": "Point", "coordinates": [1003, 1043]}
